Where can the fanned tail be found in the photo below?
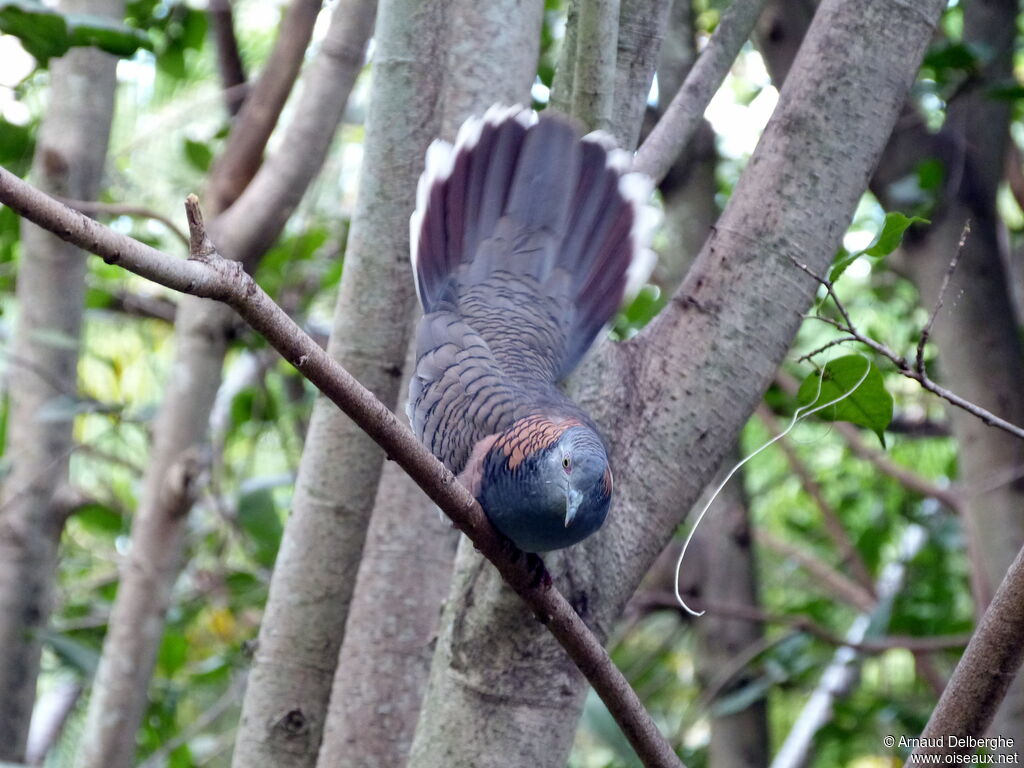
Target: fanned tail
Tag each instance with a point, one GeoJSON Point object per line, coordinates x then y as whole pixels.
{"type": "Point", "coordinates": [550, 226]}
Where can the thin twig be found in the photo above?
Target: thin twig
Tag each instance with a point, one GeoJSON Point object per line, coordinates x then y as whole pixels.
{"type": "Point", "coordinates": [927, 330]}
{"type": "Point", "coordinates": [120, 209]}
{"type": "Point", "coordinates": [903, 366]}
{"type": "Point", "coordinates": [838, 584]}
{"type": "Point", "coordinates": [663, 599]}
{"type": "Point", "coordinates": [212, 276]}
{"type": "Point", "coordinates": [834, 343]}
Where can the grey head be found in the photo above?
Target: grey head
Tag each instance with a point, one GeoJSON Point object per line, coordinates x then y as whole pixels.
{"type": "Point", "coordinates": [546, 483]}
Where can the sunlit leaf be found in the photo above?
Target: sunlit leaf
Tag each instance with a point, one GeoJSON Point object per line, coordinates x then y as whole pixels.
{"type": "Point", "coordinates": [886, 241]}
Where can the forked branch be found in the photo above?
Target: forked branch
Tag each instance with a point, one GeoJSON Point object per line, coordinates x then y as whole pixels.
{"type": "Point", "coordinates": [911, 369]}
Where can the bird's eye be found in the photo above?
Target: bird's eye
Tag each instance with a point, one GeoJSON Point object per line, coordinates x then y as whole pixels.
{"type": "Point", "coordinates": [566, 463]}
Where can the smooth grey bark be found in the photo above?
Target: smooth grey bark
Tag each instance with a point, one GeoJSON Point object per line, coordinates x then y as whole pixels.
{"type": "Point", "coordinates": [392, 625]}
{"type": "Point", "coordinates": [594, 75]}
{"type": "Point", "coordinates": [677, 395]}
{"type": "Point", "coordinates": [406, 562]}
{"type": "Point", "coordinates": [565, 70]}
{"type": "Point", "coordinates": [235, 167]}
{"type": "Point", "coordinates": [729, 577]}
{"type": "Point", "coordinates": [286, 699]}
{"type": "Point", "coordinates": [42, 370]}
{"type": "Point", "coordinates": [202, 334]}
{"type": "Point", "coordinates": [642, 26]}
{"type": "Point", "coordinates": [683, 115]}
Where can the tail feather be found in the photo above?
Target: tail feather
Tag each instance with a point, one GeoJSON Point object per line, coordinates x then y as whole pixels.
{"type": "Point", "coordinates": [524, 201]}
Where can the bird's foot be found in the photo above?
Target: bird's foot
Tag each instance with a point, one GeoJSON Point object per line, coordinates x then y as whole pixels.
{"type": "Point", "coordinates": [539, 572]}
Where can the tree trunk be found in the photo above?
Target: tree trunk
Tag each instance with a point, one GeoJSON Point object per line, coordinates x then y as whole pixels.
{"type": "Point", "coordinates": [642, 25]}
{"type": "Point", "coordinates": [42, 372]}
{"type": "Point", "coordinates": [597, 41]}
{"type": "Point", "coordinates": [406, 562]}
{"type": "Point", "coordinates": [676, 396]}
{"type": "Point", "coordinates": [287, 696]}
{"type": "Point", "coordinates": [202, 335]}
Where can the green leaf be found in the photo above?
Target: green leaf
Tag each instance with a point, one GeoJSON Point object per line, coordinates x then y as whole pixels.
{"type": "Point", "coordinates": [42, 31]}
{"type": "Point", "coordinates": [173, 652]}
{"type": "Point", "coordinates": [181, 757]}
{"type": "Point", "coordinates": [193, 29]}
{"type": "Point", "coordinates": [952, 56]}
{"type": "Point", "coordinates": [45, 33]}
{"type": "Point", "coordinates": [16, 145]}
{"type": "Point", "coordinates": [171, 63]}
{"type": "Point", "coordinates": [930, 174]}
{"type": "Point", "coordinates": [648, 303]}
{"type": "Point", "coordinates": [889, 239]}
{"type": "Point", "coordinates": [257, 515]}
{"type": "Point", "coordinates": [867, 405]}
{"type": "Point", "coordinates": [1007, 91]}
{"type": "Point", "coordinates": [105, 34]}
{"type": "Point", "coordinates": [72, 652]}
{"type": "Point", "coordinates": [99, 518]}
{"type": "Point", "coordinates": [198, 154]}
{"type": "Point", "coordinates": [885, 242]}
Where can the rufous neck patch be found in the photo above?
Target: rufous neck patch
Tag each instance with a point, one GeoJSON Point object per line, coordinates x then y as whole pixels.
{"type": "Point", "coordinates": [530, 435]}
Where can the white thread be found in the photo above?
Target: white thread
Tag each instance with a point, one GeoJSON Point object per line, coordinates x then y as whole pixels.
{"type": "Point", "coordinates": [798, 415]}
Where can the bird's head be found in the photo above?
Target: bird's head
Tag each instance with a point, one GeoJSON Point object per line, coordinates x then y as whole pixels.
{"type": "Point", "coordinates": [548, 492]}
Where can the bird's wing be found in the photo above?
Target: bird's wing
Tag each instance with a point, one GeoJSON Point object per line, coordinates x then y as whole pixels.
{"type": "Point", "coordinates": [458, 394]}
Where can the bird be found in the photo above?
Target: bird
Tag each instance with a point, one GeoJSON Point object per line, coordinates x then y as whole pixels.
{"type": "Point", "coordinates": [525, 241]}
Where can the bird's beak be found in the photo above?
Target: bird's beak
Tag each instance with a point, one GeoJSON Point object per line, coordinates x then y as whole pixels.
{"type": "Point", "coordinates": [573, 499]}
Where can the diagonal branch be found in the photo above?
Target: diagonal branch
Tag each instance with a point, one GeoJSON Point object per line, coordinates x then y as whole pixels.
{"type": "Point", "coordinates": [229, 61]}
{"type": "Point", "coordinates": [256, 120]}
{"type": "Point", "coordinates": [679, 123]}
{"type": "Point", "coordinates": [207, 274]}
{"type": "Point", "coordinates": [984, 674]}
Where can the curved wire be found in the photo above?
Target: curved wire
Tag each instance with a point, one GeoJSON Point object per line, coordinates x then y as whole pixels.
{"type": "Point", "coordinates": [798, 415]}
